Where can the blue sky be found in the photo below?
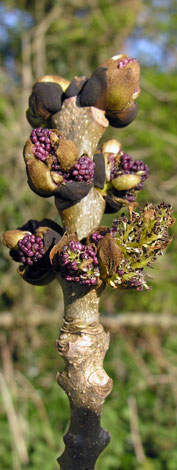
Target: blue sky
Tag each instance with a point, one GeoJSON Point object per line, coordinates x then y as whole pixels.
{"type": "Point", "coordinates": [11, 19]}
{"type": "Point", "coordinates": [149, 50]}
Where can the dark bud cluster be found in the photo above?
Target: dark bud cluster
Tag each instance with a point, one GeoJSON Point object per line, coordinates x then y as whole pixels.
{"type": "Point", "coordinates": [79, 263]}
{"type": "Point", "coordinates": [30, 249]}
{"type": "Point", "coordinates": [113, 87]}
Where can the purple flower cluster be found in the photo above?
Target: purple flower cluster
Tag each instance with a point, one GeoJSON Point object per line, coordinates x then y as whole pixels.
{"type": "Point", "coordinates": [128, 195]}
{"type": "Point", "coordinates": [113, 229]}
{"type": "Point", "coordinates": [125, 62]}
{"type": "Point", "coordinates": [113, 166]}
{"type": "Point", "coordinates": [83, 170]}
{"type": "Point", "coordinates": [30, 249]}
{"type": "Point", "coordinates": [126, 162]}
{"type": "Point", "coordinates": [136, 283]}
{"type": "Point", "coordinates": [79, 263]}
{"type": "Point", "coordinates": [41, 139]}
{"type": "Point", "coordinates": [96, 237]}
{"type": "Point", "coordinates": [56, 167]}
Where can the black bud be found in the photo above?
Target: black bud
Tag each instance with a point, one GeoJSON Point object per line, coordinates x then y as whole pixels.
{"type": "Point", "coordinates": [51, 237]}
{"type": "Point", "coordinates": [30, 226]}
{"type": "Point", "coordinates": [111, 205]}
{"type": "Point", "coordinates": [122, 118]}
{"type": "Point", "coordinates": [74, 87]}
{"type": "Point", "coordinates": [46, 98]}
{"type": "Point", "coordinates": [69, 193]}
{"type": "Point", "coordinates": [94, 91]}
{"type": "Point", "coordinates": [39, 275]}
{"type": "Point", "coordinates": [63, 204]}
{"type": "Point", "coordinates": [99, 175]}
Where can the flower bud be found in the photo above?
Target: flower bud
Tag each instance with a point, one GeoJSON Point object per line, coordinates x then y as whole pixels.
{"type": "Point", "coordinates": [109, 256]}
{"type": "Point", "coordinates": [123, 176]}
{"type": "Point", "coordinates": [126, 182]}
{"type": "Point", "coordinates": [97, 234]}
{"type": "Point", "coordinates": [54, 169]}
{"type": "Point", "coordinates": [111, 151]}
{"type": "Point", "coordinates": [65, 151]}
{"type": "Point", "coordinates": [48, 155]}
{"type": "Point", "coordinates": [123, 82]}
{"type": "Point", "coordinates": [12, 237]}
{"type": "Point", "coordinates": [35, 120]}
{"type": "Point", "coordinates": [63, 82]}
{"type": "Point", "coordinates": [39, 177]}
{"type": "Point", "coordinates": [131, 244]}
{"type": "Point", "coordinates": [111, 146]}
{"type": "Point", "coordinates": [44, 101]}
{"type": "Point", "coordinates": [76, 261]}
{"type": "Point", "coordinates": [113, 87]}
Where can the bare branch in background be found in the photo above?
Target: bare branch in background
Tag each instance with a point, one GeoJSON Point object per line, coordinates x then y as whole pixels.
{"type": "Point", "coordinates": [158, 94]}
{"type": "Point", "coordinates": [14, 422]}
{"type": "Point", "coordinates": [38, 40]}
{"type": "Point", "coordinates": [111, 323]}
{"type": "Point", "coordinates": [136, 438]}
{"type": "Point", "coordinates": [26, 71]}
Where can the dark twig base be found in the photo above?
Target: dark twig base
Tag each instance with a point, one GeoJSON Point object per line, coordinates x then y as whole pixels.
{"type": "Point", "coordinates": [84, 441]}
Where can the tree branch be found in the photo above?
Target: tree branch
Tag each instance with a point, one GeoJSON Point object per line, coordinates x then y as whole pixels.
{"type": "Point", "coordinates": [111, 323]}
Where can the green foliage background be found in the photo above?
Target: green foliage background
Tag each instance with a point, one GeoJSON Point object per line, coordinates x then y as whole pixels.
{"type": "Point", "coordinates": [71, 38]}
